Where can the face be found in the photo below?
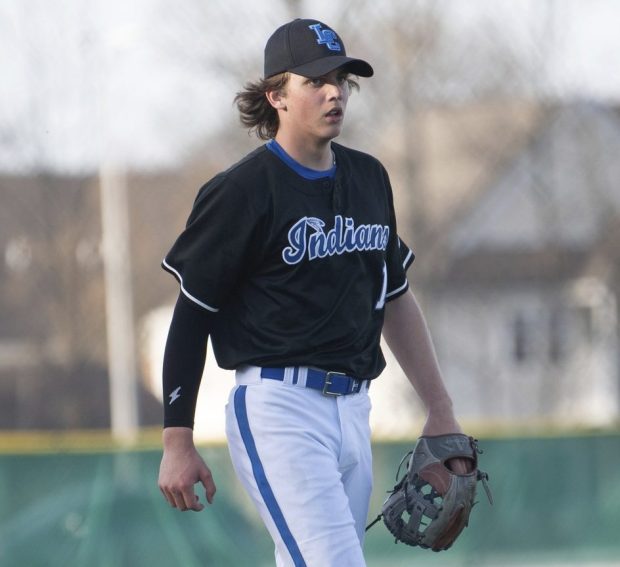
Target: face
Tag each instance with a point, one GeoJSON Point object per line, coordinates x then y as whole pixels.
{"type": "Point", "coordinates": [313, 108]}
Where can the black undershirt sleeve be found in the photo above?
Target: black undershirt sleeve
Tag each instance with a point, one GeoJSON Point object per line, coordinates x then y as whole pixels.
{"type": "Point", "coordinates": [184, 360]}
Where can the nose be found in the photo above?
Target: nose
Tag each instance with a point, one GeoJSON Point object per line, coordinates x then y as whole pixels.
{"type": "Point", "coordinates": [336, 90]}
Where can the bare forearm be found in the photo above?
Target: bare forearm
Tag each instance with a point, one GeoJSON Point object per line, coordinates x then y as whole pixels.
{"type": "Point", "coordinates": [406, 333]}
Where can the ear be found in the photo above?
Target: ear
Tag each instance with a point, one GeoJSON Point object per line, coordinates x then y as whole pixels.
{"type": "Point", "coordinates": [276, 99]}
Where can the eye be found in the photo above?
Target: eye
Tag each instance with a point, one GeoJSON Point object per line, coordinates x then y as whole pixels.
{"type": "Point", "coordinates": [318, 82]}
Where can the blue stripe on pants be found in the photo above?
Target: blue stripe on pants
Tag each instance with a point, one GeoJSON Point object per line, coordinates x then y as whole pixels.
{"type": "Point", "coordinates": [261, 479]}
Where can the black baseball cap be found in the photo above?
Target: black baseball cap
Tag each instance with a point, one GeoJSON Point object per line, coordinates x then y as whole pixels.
{"type": "Point", "coordinates": [309, 48]}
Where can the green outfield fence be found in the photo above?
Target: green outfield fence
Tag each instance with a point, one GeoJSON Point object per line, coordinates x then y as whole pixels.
{"type": "Point", "coordinates": [76, 501]}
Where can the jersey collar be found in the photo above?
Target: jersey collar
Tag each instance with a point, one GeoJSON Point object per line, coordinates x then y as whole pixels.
{"type": "Point", "coordinates": [302, 170]}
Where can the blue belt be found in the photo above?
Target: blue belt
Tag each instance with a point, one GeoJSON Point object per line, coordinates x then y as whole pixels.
{"type": "Point", "coordinates": [329, 383]}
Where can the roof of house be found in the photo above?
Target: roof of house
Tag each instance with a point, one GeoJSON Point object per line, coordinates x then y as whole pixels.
{"type": "Point", "coordinates": [560, 190]}
{"type": "Point", "coordinates": [548, 209]}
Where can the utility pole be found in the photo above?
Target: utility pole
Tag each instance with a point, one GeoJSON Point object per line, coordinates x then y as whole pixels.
{"type": "Point", "coordinates": [121, 345]}
{"type": "Point", "coordinates": [119, 304]}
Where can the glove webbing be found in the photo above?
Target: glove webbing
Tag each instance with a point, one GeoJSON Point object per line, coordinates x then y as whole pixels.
{"type": "Point", "coordinates": [397, 487]}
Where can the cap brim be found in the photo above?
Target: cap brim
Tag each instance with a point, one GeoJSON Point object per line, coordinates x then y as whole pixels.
{"type": "Point", "coordinates": [320, 67]}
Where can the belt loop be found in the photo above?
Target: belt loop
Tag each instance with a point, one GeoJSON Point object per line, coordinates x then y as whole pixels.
{"type": "Point", "coordinates": [302, 376]}
{"type": "Point", "coordinates": [288, 374]}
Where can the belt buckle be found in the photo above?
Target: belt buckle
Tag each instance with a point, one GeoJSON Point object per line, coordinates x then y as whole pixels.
{"type": "Point", "coordinates": [328, 383]}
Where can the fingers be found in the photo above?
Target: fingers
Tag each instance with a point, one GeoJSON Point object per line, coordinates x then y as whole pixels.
{"type": "Point", "coordinates": [460, 466]}
{"type": "Point", "coordinates": [207, 481]}
{"type": "Point", "coordinates": [181, 495]}
{"type": "Point", "coordinates": [183, 499]}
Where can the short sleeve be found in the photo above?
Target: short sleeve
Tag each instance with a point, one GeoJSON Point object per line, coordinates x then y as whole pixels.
{"type": "Point", "coordinates": [218, 245]}
{"type": "Point", "coordinates": [399, 256]}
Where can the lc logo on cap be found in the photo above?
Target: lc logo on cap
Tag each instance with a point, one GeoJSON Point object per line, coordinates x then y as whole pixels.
{"type": "Point", "coordinates": [326, 37]}
{"type": "Point", "coordinates": [309, 48]}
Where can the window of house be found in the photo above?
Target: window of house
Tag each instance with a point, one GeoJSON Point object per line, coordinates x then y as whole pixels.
{"type": "Point", "coordinates": [520, 338]}
{"type": "Point", "coordinates": [542, 336]}
{"type": "Point", "coordinates": [557, 344]}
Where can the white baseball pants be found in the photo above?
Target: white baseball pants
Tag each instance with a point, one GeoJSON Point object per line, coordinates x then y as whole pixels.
{"type": "Point", "coordinates": [305, 460]}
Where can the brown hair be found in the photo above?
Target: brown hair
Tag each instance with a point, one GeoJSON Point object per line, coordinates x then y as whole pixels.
{"type": "Point", "coordinates": [255, 111]}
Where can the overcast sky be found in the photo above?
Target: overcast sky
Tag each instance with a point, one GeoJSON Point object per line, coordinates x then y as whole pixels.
{"type": "Point", "coordinates": [86, 78]}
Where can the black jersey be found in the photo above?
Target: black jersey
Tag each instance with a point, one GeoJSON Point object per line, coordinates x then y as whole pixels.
{"type": "Point", "coordinates": [298, 270]}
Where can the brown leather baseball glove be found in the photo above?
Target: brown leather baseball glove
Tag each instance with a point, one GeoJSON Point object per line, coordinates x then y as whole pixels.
{"type": "Point", "coordinates": [430, 505]}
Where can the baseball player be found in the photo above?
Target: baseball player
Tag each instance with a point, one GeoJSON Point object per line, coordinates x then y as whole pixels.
{"type": "Point", "coordinates": [291, 264]}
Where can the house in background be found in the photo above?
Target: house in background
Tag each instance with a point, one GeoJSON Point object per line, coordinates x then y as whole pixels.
{"type": "Point", "coordinates": [520, 288]}
{"type": "Point", "coordinates": [524, 309]}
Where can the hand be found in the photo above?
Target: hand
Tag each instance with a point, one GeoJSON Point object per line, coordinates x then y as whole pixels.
{"type": "Point", "coordinates": [442, 422]}
{"type": "Point", "coordinates": [460, 466]}
{"type": "Point", "coordinates": [181, 468]}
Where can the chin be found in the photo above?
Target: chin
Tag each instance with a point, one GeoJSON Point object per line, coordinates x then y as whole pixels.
{"type": "Point", "coordinates": [331, 133]}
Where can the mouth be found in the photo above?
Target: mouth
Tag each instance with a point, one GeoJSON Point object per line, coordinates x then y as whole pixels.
{"type": "Point", "coordinates": [335, 114]}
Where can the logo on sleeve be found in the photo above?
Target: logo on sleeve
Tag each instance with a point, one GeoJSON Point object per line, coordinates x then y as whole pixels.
{"type": "Point", "coordinates": [307, 239]}
{"type": "Point", "coordinates": [174, 395]}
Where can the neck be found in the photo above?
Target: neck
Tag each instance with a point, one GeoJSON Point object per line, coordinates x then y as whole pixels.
{"type": "Point", "coordinates": [316, 155]}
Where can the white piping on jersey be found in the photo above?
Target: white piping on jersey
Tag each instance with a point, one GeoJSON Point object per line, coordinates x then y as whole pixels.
{"type": "Point", "coordinates": [187, 293]}
{"type": "Point", "coordinates": [397, 290]}
{"type": "Point", "coordinates": [381, 302]}
{"type": "Point", "coordinates": [407, 258]}
{"type": "Point", "coordinates": [394, 292]}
